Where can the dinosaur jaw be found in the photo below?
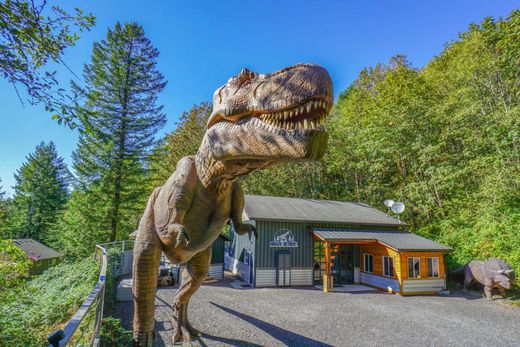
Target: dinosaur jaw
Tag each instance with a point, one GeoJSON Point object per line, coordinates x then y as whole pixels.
{"type": "Point", "coordinates": [309, 113]}
{"type": "Point", "coordinates": [232, 150]}
{"type": "Point", "coordinates": [282, 98]}
{"type": "Point", "coordinates": [268, 141]}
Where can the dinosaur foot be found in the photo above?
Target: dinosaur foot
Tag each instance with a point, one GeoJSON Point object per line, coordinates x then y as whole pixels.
{"type": "Point", "coordinates": [143, 338]}
{"type": "Point", "coordinates": [184, 331]}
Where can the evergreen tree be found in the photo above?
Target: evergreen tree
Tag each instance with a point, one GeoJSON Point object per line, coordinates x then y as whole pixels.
{"type": "Point", "coordinates": [119, 118]}
{"type": "Point", "coordinates": [3, 210]}
{"type": "Point", "coordinates": [84, 222]}
{"type": "Point", "coordinates": [41, 192]}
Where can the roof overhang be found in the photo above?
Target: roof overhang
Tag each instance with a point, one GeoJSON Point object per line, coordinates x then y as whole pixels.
{"type": "Point", "coordinates": [350, 236]}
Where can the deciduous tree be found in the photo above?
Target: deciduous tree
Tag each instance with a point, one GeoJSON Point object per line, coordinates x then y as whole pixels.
{"type": "Point", "coordinates": [31, 36]}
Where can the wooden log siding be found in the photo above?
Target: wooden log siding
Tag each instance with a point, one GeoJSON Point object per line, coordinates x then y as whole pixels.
{"type": "Point", "coordinates": [422, 285]}
{"type": "Point", "coordinates": [393, 283]}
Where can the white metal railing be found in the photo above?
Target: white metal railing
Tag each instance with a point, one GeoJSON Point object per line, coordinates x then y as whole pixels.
{"type": "Point", "coordinates": [87, 319]}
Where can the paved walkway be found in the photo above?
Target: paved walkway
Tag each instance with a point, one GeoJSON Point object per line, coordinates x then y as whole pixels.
{"type": "Point", "coordinates": [309, 317]}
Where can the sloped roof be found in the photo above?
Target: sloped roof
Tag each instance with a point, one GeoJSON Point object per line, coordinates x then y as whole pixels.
{"type": "Point", "coordinates": [36, 250]}
{"type": "Point", "coordinates": [398, 240]}
{"type": "Point", "coordinates": [259, 207]}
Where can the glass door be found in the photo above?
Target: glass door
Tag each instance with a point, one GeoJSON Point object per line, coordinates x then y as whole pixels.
{"type": "Point", "coordinates": [345, 265]}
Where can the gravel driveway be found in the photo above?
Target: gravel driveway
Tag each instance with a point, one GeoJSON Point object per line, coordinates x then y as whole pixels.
{"type": "Point", "coordinates": [309, 317]}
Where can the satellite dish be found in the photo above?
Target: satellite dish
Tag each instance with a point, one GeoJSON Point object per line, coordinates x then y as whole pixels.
{"type": "Point", "coordinates": [389, 203]}
{"type": "Point", "coordinates": [397, 207]}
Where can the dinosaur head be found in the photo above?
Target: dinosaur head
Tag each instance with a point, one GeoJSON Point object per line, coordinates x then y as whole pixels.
{"type": "Point", "coordinates": [504, 277]}
{"type": "Point", "coordinates": [260, 120]}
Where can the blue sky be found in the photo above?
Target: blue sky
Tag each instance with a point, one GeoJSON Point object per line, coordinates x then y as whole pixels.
{"type": "Point", "coordinates": [203, 43]}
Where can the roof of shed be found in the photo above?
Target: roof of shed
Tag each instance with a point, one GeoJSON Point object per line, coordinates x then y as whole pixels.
{"type": "Point", "coordinates": [398, 240]}
{"type": "Point", "coordinates": [36, 250]}
{"type": "Point", "coordinates": [260, 207]}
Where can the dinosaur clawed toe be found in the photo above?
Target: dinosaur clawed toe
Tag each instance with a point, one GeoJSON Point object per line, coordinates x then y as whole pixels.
{"type": "Point", "coordinates": [143, 338]}
{"type": "Point", "coordinates": [184, 331]}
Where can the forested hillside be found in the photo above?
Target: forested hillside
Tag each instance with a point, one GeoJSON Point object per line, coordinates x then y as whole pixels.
{"type": "Point", "coordinates": [444, 139]}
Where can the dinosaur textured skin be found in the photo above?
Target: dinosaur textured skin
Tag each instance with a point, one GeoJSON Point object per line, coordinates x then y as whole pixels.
{"type": "Point", "coordinates": [493, 273]}
{"type": "Point", "coordinates": [258, 120]}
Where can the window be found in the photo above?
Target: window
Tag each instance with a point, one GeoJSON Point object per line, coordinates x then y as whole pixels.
{"type": "Point", "coordinates": [433, 266]}
{"type": "Point", "coordinates": [369, 263]}
{"type": "Point", "coordinates": [388, 266]}
{"type": "Point", "coordinates": [414, 267]}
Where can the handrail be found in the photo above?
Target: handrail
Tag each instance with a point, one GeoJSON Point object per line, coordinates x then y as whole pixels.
{"type": "Point", "coordinates": [62, 337]}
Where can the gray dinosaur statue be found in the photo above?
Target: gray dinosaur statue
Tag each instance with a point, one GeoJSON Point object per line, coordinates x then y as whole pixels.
{"type": "Point", "coordinates": [493, 273]}
{"type": "Point", "coordinates": [258, 120]}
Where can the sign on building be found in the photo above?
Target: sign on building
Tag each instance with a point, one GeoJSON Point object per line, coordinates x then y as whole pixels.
{"type": "Point", "coordinates": [283, 238]}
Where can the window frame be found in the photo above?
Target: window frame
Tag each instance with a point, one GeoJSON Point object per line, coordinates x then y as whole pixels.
{"type": "Point", "coordinates": [428, 267]}
{"type": "Point", "coordinates": [391, 266]}
{"type": "Point", "coordinates": [418, 275]}
{"type": "Point", "coordinates": [371, 257]}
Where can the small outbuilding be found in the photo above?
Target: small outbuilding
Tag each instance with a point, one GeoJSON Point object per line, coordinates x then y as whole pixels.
{"type": "Point", "coordinates": [305, 242]}
{"type": "Point", "coordinates": [216, 269]}
{"type": "Point", "coordinates": [42, 256]}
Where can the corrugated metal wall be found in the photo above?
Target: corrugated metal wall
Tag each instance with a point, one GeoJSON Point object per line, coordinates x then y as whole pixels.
{"type": "Point", "coordinates": [217, 251]}
{"type": "Point", "coordinates": [423, 286]}
{"type": "Point", "coordinates": [216, 271]}
{"type": "Point", "coordinates": [301, 256]}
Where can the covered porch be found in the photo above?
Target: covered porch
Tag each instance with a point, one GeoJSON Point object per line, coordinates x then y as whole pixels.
{"type": "Point", "coordinates": [390, 260]}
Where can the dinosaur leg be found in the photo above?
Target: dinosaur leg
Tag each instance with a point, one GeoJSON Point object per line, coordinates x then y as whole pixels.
{"type": "Point", "coordinates": [502, 292]}
{"type": "Point", "coordinates": [195, 273]}
{"type": "Point", "coordinates": [468, 278]}
{"type": "Point", "coordinates": [147, 255]}
{"type": "Point", "coordinates": [489, 292]}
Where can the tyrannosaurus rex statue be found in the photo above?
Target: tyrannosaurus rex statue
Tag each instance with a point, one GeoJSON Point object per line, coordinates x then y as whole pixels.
{"type": "Point", "coordinates": [258, 120]}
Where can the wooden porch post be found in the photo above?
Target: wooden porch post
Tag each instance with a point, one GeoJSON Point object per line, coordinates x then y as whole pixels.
{"type": "Point", "coordinates": [326, 277]}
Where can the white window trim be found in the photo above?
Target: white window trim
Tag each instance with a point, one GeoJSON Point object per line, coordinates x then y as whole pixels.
{"type": "Point", "coordinates": [364, 263]}
{"type": "Point", "coordinates": [383, 261]}
{"type": "Point", "coordinates": [408, 264]}
{"type": "Point", "coordinates": [438, 268]}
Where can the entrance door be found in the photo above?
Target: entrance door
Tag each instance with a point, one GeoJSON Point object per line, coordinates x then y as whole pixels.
{"type": "Point", "coordinates": [283, 271]}
{"type": "Point", "coordinates": [345, 264]}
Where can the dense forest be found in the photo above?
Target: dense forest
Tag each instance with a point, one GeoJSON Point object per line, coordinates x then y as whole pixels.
{"type": "Point", "coordinates": [442, 138]}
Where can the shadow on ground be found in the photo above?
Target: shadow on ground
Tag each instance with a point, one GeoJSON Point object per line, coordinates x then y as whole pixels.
{"type": "Point", "coordinates": [286, 337]}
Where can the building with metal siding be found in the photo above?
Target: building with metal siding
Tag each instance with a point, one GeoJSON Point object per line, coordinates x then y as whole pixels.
{"type": "Point", "coordinates": [299, 237]}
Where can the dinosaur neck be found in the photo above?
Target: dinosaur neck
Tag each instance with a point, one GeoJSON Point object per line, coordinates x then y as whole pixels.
{"type": "Point", "coordinates": [215, 172]}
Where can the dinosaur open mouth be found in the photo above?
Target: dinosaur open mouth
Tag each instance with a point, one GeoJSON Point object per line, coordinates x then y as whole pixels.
{"type": "Point", "coordinates": [308, 115]}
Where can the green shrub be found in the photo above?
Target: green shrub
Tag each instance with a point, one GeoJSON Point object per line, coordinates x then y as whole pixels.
{"type": "Point", "coordinates": [14, 265]}
{"type": "Point", "coordinates": [113, 334]}
{"type": "Point", "coordinates": [30, 311]}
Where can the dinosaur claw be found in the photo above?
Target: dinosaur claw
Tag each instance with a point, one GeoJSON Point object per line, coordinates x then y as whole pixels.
{"type": "Point", "coordinates": [184, 332]}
